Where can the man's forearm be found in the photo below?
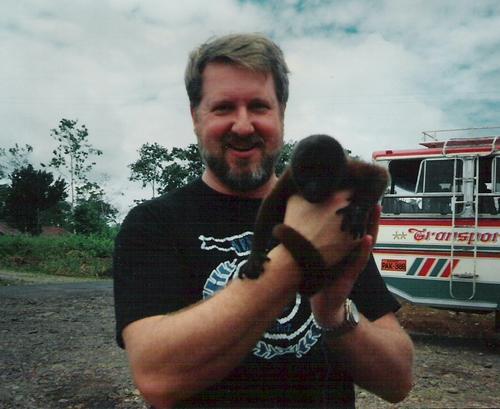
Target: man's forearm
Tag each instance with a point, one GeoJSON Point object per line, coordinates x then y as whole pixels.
{"type": "Point", "coordinates": [379, 356]}
{"type": "Point", "coordinates": [179, 354]}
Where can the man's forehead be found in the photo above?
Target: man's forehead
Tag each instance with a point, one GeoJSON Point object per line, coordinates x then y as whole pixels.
{"type": "Point", "coordinates": [224, 66]}
{"type": "Point", "coordinates": [231, 79]}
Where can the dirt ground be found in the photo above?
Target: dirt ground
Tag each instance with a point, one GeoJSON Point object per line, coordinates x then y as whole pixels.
{"type": "Point", "coordinates": [57, 351]}
{"type": "Point", "coordinates": [457, 361]}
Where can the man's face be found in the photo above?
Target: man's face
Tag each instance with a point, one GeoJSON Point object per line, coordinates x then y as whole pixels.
{"type": "Point", "coordinates": [239, 125]}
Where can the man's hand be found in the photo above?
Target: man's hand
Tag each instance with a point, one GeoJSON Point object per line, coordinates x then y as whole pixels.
{"type": "Point", "coordinates": [321, 224]}
{"type": "Point", "coordinates": [327, 304]}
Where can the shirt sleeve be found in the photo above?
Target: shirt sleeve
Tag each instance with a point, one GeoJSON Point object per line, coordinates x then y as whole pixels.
{"type": "Point", "coordinates": [370, 294]}
{"type": "Point", "coordinates": [146, 269]}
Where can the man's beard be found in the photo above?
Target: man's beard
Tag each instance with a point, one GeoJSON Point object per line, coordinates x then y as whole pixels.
{"type": "Point", "coordinates": [240, 180]}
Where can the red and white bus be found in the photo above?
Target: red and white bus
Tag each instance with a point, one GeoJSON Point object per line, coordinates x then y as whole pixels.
{"type": "Point", "coordinates": [439, 239]}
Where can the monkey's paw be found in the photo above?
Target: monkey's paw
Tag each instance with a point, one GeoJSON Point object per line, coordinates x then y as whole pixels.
{"type": "Point", "coordinates": [354, 220]}
{"type": "Point", "coordinates": [254, 266]}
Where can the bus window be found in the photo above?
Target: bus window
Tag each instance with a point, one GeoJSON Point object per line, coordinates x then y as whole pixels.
{"type": "Point", "coordinates": [423, 186]}
{"type": "Point", "coordinates": [404, 175]}
{"type": "Point", "coordinates": [436, 183]}
{"type": "Point", "coordinates": [487, 189]}
{"type": "Point", "coordinates": [436, 176]}
{"type": "Point", "coordinates": [399, 198]}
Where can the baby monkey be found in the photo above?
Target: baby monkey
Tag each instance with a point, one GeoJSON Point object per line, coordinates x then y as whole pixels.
{"type": "Point", "coordinates": [318, 168]}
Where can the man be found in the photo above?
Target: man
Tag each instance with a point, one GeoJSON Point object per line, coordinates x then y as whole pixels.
{"type": "Point", "coordinates": [195, 334]}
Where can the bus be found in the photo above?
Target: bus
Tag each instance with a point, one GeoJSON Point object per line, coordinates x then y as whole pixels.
{"type": "Point", "coordinates": [439, 236]}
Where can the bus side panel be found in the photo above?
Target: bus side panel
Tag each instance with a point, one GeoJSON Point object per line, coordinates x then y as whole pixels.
{"type": "Point", "coordinates": [414, 258]}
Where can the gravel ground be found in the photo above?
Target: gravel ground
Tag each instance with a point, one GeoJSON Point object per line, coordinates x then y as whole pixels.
{"type": "Point", "coordinates": [57, 350]}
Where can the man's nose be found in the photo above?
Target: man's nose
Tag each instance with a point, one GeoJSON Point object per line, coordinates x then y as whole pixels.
{"type": "Point", "coordinates": [242, 124]}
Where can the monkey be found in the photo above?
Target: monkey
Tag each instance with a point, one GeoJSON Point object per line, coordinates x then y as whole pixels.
{"type": "Point", "coordinates": [318, 168]}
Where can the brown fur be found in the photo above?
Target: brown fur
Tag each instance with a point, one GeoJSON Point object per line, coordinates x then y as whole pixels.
{"type": "Point", "coordinates": [317, 170]}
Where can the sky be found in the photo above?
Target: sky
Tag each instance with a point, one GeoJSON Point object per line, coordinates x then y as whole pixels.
{"type": "Point", "coordinates": [374, 74]}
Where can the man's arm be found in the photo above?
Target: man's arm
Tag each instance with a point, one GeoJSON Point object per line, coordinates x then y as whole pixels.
{"type": "Point", "coordinates": [176, 355]}
{"type": "Point", "coordinates": [378, 354]}
{"type": "Point", "coordinates": [379, 357]}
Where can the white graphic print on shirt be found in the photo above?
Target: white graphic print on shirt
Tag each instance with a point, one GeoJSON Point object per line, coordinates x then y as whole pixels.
{"type": "Point", "coordinates": [295, 332]}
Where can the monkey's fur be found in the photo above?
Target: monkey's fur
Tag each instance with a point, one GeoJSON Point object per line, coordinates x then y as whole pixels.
{"type": "Point", "coordinates": [318, 168]}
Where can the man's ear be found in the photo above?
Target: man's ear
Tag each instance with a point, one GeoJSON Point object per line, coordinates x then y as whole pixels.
{"type": "Point", "coordinates": [194, 115]}
{"type": "Point", "coordinates": [194, 118]}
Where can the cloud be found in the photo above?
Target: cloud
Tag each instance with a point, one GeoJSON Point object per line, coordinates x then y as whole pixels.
{"type": "Point", "coordinates": [373, 73]}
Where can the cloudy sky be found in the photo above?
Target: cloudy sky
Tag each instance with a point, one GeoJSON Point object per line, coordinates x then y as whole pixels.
{"type": "Point", "coordinates": [373, 73]}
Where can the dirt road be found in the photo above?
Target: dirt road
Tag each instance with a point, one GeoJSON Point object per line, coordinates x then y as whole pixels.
{"type": "Point", "coordinates": [57, 350]}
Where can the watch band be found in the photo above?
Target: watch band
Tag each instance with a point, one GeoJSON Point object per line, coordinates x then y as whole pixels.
{"type": "Point", "coordinates": [351, 320]}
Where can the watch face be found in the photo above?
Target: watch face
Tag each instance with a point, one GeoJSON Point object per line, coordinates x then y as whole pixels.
{"type": "Point", "coordinates": [351, 319]}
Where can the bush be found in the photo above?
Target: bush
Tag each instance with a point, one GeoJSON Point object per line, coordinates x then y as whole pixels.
{"type": "Point", "coordinates": [69, 255]}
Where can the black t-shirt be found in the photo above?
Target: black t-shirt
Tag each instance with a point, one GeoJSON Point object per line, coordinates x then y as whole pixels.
{"type": "Point", "coordinates": [184, 246]}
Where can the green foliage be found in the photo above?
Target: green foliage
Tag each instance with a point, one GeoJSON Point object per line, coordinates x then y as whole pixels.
{"type": "Point", "coordinates": [4, 192]}
{"type": "Point", "coordinates": [165, 169]}
{"type": "Point", "coordinates": [92, 216]}
{"type": "Point", "coordinates": [73, 153]}
{"type": "Point", "coordinates": [11, 159]}
{"type": "Point", "coordinates": [57, 215]}
{"type": "Point", "coordinates": [173, 177]}
{"type": "Point", "coordinates": [149, 168]}
{"type": "Point", "coordinates": [14, 158]}
{"type": "Point", "coordinates": [285, 156]}
{"type": "Point", "coordinates": [69, 255]}
{"type": "Point", "coordinates": [184, 167]}
{"type": "Point", "coordinates": [89, 213]}
{"type": "Point", "coordinates": [31, 192]}
{"type": "Point", "coordinates": [190, 160]}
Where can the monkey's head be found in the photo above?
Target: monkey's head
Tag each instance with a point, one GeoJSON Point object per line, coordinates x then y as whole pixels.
{"type": "Point", "coordinates": [318, 165]}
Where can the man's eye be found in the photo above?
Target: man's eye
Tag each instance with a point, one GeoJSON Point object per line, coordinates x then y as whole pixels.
{"type": "Point", "coordinates": [222, 108]}
{"type": "Point", "coordinates": [259, 106]}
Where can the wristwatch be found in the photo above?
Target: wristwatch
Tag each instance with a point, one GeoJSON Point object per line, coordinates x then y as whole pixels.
{"type": "Point", "coordinates": [351, 320]}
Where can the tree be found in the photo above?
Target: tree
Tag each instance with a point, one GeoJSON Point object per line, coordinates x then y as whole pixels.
{"type": "Point", "coordinates": [74, 153]}
{"type": "Point", "coordinates": [4, 192]}
{"type": "Point", "coordinates": [31, 192]}
{"type": "Point", "coordinates": [14, 158]}
{"type": "Point", "coordinates": [191, 161]}
{"type": "Point", "coordinates": [165, 169]}
{"type": "Point", "coordinates": [58, 215]}
{"type": "Point", "coordinates": [285, 156]}
{"type": "Point", "coordinates": [149, 168]}
{"type": "Point", "coordinates": [185, 165]}
{"type": "Point", "coordinates": [92, 216]}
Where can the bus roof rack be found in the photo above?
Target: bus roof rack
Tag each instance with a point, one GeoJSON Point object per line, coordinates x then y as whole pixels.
{"type": "Point", "coordinates": [485, 138]}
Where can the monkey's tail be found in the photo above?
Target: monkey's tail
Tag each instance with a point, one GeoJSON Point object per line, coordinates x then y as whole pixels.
{"type": "Point", "coordinates": [314, 270]}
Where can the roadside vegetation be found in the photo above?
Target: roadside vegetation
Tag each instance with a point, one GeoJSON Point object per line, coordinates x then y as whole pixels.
{"type": "Point", "coordinates": [67, 194]}
{"type": "Point", "coordinates": [66, 255]}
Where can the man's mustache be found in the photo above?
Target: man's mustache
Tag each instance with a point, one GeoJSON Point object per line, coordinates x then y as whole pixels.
{"type": "Point", "coordinates": [231, 140]}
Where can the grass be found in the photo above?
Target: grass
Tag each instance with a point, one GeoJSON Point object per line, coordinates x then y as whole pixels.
{"type": "Point", "coordinates": [68, 255]}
